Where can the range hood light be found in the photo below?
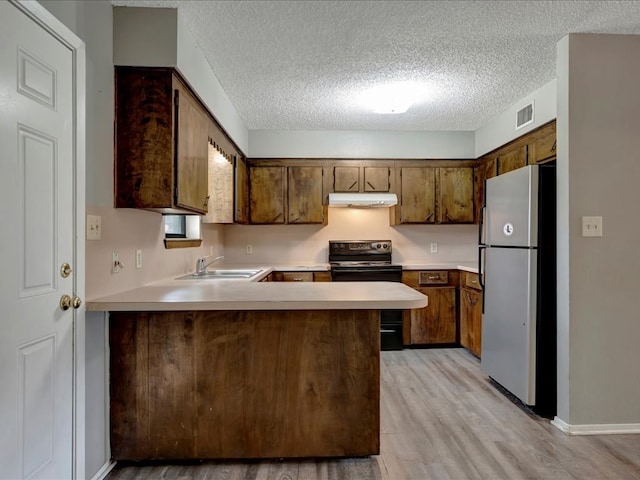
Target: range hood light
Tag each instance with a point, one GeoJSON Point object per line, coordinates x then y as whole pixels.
{"type": "Point", "coordinates": [362, 200]}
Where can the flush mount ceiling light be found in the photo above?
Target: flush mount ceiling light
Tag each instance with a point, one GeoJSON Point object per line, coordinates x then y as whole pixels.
{"type": "Point", "coordinates": [394, 98]}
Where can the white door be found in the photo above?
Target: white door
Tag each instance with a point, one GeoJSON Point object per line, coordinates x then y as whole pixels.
{"type": "Point", "coordinates": [37, 204]}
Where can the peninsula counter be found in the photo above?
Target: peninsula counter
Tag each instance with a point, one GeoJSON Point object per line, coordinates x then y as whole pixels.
{"type": "Point", "coordinates": [232, 370]}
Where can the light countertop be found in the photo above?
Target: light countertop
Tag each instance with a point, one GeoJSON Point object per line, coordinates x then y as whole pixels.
{"type": "Point", "coordinates": [180, 295]}
{"type": "Point", "coordinates": [249, 294]}
{"type": "Point", "coordinates": [461, 265]}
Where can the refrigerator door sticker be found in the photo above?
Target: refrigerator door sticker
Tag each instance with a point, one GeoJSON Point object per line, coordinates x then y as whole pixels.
{"type": "Point", "coordinates": [508, 229]}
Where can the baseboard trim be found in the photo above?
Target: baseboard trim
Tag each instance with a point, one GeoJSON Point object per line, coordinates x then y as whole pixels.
{"type": "Point", "coordinates": [104, 471]}
{"type": "Point", "coordinates": [604, 429]}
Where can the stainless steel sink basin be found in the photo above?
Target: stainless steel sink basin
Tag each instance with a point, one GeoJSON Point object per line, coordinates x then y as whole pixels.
{"type": "Point", "coordinates": [220, 274]}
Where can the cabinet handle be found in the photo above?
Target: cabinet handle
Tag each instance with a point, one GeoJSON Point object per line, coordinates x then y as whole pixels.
{"type": "Point", "coordinates": [298, 279]}
{"type": "Point", "coordinates": [353, 185]}
{"type": "Point", "coordinates": [428, 217]}
{"type": "Point", "coordinates": [276, 217]}
{"type": "Point", "coordinates": [372, 187]}
{"type": "Point", "coordinates": [470, 300]}
{"type": "Point", "coordinates": [433, 277]}
{"type": "Point", "coordinates": [446, 214]}
{"type": "Point", "coordinates": [206, 201]}
{"type": "Point", "coordinates": [553, 148]}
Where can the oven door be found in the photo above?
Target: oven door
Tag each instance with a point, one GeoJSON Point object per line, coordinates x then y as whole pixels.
{"type": "Point", "coordinates": [365, 274]}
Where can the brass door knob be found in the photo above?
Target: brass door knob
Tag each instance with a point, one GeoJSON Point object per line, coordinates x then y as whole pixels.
{"type": "Point", "coordinates": [65, 270]}
{"type": "Point", "coordinates": [65, 302]}
{"type": "Point", "coordinates": [76, 302]}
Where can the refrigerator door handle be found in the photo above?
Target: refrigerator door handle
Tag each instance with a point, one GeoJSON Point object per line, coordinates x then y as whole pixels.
{"type": "Point", "coordinates": [481, 252]}
{"type": "Point", "coordinates": [481, 224]}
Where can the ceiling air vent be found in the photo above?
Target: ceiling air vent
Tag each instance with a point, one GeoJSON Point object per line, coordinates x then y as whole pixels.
{"type": "Point", "coordinates": [524, 116]}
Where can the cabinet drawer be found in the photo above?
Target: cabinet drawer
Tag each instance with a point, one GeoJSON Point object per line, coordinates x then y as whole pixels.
{"type": "Point", "coordinates": [433, 277]}
{"type": "Point", "coordinates": [471, 280]}
{"type": "Point", "coordinates": [297, 276]}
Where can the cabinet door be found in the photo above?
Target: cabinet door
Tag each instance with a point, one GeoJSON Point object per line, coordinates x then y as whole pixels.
{"type": "Point", "coordinates": [377, 179]}
{"type": "Point", "coordinates": [266, 194]}
{"type": "Point", "coordinates": [456, 195]}
{"type": "Point", "coordinates": [346, 179]}
{"type": "Point", "coordinates": [305, 195]}
{"type": "Point", "coordinates": [241, 194]}
{"type": "Point", "coordinates": [191, 152]}
{"type": "Point", "coordinates": [543, 148]}
{"type": "Point", "coordinates": [436, 323]}
{"type": "Point", "coordinates": [418, 195]}
{"type": "Point", "coordinates": [471, 320]}
{"type": "Point", "coordinates": [221, 181]}
{"type": "Point", "coordinates": [512, 160]}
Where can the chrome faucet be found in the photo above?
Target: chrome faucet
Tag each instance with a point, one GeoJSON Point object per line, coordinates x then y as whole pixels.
{"type": "Point", "coordinates": [201, 263]}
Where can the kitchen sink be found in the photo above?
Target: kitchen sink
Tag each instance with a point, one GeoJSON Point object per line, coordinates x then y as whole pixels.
{"type": "Point", "coordinates": [220, 274]}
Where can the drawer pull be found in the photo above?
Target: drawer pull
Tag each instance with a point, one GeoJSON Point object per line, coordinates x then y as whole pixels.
{"type": "Point", "coordinates": [433, 277]}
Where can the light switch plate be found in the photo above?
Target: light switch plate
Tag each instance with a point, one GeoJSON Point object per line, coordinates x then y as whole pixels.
{"type": "Point", "coordinates": [591, 226]}
{"type": "Point", "coordinates": [94, 227]}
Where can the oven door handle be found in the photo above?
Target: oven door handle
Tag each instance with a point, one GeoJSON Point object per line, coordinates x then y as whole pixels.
{"type": "Point", "coordinates": [366, 270]}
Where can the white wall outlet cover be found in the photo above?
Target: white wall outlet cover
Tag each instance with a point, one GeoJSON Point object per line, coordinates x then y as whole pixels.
{"type": "Point", "coordinates": [591, 226]}
{"type": "Point", "coordinates": [94, 227]}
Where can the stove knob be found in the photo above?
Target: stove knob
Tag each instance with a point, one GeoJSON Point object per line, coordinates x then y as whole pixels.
{"type": "Point", "coordinates": [378, 246]}
{"type": "Point", "coordinates": [385, 246]}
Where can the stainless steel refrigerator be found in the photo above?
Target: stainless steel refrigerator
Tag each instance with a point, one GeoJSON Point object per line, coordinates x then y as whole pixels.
{"type": "Point", "coordinates": [518, 274]}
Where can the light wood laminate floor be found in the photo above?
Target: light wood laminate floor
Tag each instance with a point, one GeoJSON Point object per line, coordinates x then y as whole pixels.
{"type": "Point", "coordinates": [440, 419]}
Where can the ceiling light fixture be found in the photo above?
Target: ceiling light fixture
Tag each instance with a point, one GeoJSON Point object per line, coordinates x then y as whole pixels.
{"type": "Point", "coordinates": [394, 98]}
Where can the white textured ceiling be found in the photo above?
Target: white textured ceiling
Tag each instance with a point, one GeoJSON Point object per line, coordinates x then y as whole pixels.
{"type": "Point", "coordinates": [300, 65]}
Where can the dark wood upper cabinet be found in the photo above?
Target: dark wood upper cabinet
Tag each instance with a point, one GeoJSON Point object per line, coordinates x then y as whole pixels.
{"type": "Point", "coordinates": [161, 142]}
{"type": "Point", "coordinates": [266, 195]}
{"type": "Point", "coordinates": [418, 195]}
{"type": "Point", "coordinates": [241, 197]}
{"type": "Point", "coordinates": [543, 145]}
{"type": "Point", "coordinates": [346, 179]}
{"type": "Point", "coordinates": [354, 179]}
{"type": "Point", "coordinates": [280, 194]}
{"type": "Point", "coordinates": [377, 179]}
{"type": "Point", "coordinates": [512, 159]}
{"type": "Point", "coordinates": [456, 195]}
{"type": "Point", "coordinates": [304, 191]}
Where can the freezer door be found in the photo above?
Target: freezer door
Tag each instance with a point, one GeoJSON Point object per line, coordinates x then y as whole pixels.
{"type": "Point", "coordinates": [511, 215]}
{"type": "Point", "coordinates": [509, 320]}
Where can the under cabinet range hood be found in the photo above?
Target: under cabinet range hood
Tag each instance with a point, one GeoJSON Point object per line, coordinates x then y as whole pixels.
{"type": "Point", "coordinates": [362, 200]}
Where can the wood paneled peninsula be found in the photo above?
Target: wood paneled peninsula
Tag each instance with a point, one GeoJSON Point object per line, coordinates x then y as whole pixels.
{"type": "Point", "coordinates": [221, 369]}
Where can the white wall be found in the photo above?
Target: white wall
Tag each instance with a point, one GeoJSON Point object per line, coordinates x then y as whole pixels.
{"type": "Point", "coordinates": [306, 244]}
{"type": "Point", "coordinates": [138, 43]}
{"type": "Point", "coordinates": [502, 129]}
{"type": "Point", "coordinates": [360, 144]}
{"type": "Point", "coordinates": [123, 230]}
{"type": "Point", "coordinates": [598, 282]}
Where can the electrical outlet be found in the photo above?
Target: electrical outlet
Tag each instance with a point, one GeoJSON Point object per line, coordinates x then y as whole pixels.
{"type": "Point", "coordinates": [138, 258]}
{"type": "Point", "coordinates": [434, 247]}
{"type": "Point", "coordinates": [94, 227]}
{"type": "Point", "coordinates": [115, 263]}
{"type": "Point", "coordinates": [249, 249]}
{"type": "Point", "coordinates": [591, 226]}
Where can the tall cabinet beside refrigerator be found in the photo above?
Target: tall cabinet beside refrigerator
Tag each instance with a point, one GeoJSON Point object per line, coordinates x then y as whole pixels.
{"type": "Point", "coordinates": [518, 273]}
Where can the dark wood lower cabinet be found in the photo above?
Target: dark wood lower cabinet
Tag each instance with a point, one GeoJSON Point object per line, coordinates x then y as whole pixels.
{"type": "Point", "coordinates": [253, 384]}
{"type": "Point", "coordinates": [435, 323]}
{"type": "Point", "coordinates": [471, 320]}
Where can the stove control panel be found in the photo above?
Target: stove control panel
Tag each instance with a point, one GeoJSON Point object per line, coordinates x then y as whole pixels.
{"type": "Point", "coordinates": [360, 246]}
